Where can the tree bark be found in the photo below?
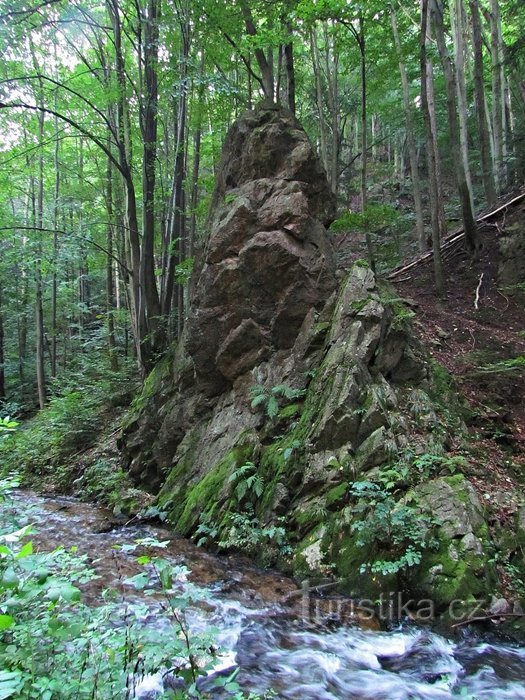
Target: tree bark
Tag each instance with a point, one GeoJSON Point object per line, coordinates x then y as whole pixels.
{"type": "Point", "coordinates": [150, 296]}
{"type": "Point", "coordinates": [436, 202]}
{"type": "Point", "coordinates": [110, 284]}
{"type": "Point", "coordinates": [265, 65]}
{"type": "Point", "coordinates": [316, 64]}
{"type": "Point", "coordinates": [457, 14]}
{"type": "Point", "coordinates": [411, 140]}
{"type": "Point", "coordinates": [38, 216]}
{"type": "Point", "coordinates": [465, 195]}
{"type": "Point", "coordinates": [498, 102]}
{"type": "Point", "coordinates": [487, 172]}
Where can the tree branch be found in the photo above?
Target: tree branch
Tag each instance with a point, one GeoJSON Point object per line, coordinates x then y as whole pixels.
{"type": "Point", "coordinates": [72, 235]}
{"type": "Point", "coordinates": [36, 108]}
{"type": "Point", "coordinates": [40, 77]}
{"type": "Point", "coordinates": [29, 11]}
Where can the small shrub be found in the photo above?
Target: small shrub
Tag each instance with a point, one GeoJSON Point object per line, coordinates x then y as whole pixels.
{"type": "Point", "coordinates": [389, 527]}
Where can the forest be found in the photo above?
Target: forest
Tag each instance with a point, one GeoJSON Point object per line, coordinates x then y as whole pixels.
{"type": "Point", "coordinates": [262, 286]}
{"type": "Point", "coordinates": [113, 119]}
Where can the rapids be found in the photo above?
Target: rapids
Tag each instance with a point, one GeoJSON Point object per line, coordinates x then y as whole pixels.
{"type": "Point", "coordinates": [263, 631]}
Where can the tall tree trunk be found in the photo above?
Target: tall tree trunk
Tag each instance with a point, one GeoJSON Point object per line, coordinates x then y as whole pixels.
{"type": "Point", "coordinates": [457, 14]}
{"type": "Point", "coordinates": [465, 195]}
{"type": "Point", "coordinates": [487, 172]}
{"type": "Point", "coordinates": [56, 209]}
{"type": "Point", "coordinates": [137, 306]}
{"type": "Point", "coordinates": [110, 285]}
{"type": "Point", "coordinates": [289, 68]}
{"type": "Point", "coordinates": [331, 71]}
{"type": "Point", "coordinates": [411, 139]}
{"type": "Point", "coordinates": [148, 284]}
{"type": "Point", "coordinates": [264, 62]}
{"type": "Point", "coordinates": [39, 223]}
{"type": "Point", "coordinates": [498, 102]}
{"type": "Point", "coordinates": [427, 104]}
{"type": "Point", "coordinates": [316, 65]}
{"type": "Point", "coordinates": [176, 242]}
{"type": "Point", "coordinates": [197, 138]}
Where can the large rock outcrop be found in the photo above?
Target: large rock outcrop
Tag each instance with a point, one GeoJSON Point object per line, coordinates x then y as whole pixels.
{"type": "Point", "coordinates": [267, 266]}
{"type": "Point", "coordinates": [341, 387]}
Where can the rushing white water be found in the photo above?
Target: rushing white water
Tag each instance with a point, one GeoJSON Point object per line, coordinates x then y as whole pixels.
{"type": "Point", "coordinates": [274, 649]}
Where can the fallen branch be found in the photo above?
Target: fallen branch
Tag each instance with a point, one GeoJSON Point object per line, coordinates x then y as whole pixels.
{"type": "Point", "coordinates": [454, 237]}
{"type": "Point", "coordinates": [484, 618]}
{"type": "Point", "coordinates": [476, 300]}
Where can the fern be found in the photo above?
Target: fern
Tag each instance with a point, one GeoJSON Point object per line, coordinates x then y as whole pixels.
{"type": "Point", "coordinates": [272, 399]}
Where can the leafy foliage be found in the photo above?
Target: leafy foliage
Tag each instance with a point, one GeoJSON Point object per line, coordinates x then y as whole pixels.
{"type": "Point", "coordinates": [247, 481]}
{"type": "Point", "coordinates": [52, 645]}
{"type": "Point", "coordinates": [394, 533]}
{"type": "Point", "coordinates": [245, 532]}
{"type": "Point", "coordinates": [271, 400]}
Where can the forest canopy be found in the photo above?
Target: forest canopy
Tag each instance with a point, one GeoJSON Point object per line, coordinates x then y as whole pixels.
{"type": "Point", "coordinates": [112, 119]}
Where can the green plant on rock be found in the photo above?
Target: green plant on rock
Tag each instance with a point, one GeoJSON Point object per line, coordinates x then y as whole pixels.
{"type": "Point", "coordinates": [245, 532]}
{"type": "Point", "coordinates": [393, 532]}
{"type": "Point", "coordinates": [247, 481]}
{"type": "Point", "coordinates": [430, 465]}
{"type": "Point", "coordinates": [207, 531]}
{"type": "Point", "coordinates": [273, 399]}
{"type": "Point", "coordinates": [401, 313]}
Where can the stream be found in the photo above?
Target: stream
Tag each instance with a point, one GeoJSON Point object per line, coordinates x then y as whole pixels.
{"type": "Point", "coordinates": [264, 634]}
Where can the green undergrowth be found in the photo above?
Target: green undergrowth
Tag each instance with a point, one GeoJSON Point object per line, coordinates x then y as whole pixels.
{"type": "Point", "coordinates": [49, 450]}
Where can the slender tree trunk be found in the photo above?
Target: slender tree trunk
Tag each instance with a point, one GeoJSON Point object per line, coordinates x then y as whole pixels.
{"type": "Point", "coordinates": [465, 195]}
{"type": "Point", "coordinates": [56, 209]}
{"type": "Point", "coordinates": [264, 62]}
{"type": "Point", "coordinates": [436, 202]}
{"type": "Point", "coordinates": [487, 172]}
{"type": "Point", "coordinates": [148, 284]}
{"type": "Point", "coordinates": [137, 305]}
{"type": "Point", "coordinates": [39, 223]}
{"type": "Point", "coordinates": [331, 70]}
{"type": "Point", "coordinates": [23, 302]}
{"type": "Point", "coordinates": [289, 71]}
{"type": "Point", "coordinates": [457, 14]}
{"type": "Point", "coordinates": [197, 138]}
{"type": "Point", "coordinates": [173, 296]}
{"type": "Point", "coordinates": [316, 64]}
{"type": "Point", "coordinates": [497, 91]}
{"type": "Point", "coordinates": [364, 141]}
{"type": "Point", "coordinates": [411, 139]}
{"type": "Point", "coordinates": [110, 285]}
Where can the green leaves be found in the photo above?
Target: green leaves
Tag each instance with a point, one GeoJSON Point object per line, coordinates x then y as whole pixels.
{"type": "Point", "coordinates": [6, 621]}
{"type": "Point", "coordinates": [247, 481]}
{"type": "Point", "coordinates": [388, 527]}
{"type": "Point", "coordinates": [63, 591]}
{"type": "Point", "coordinates": [10, 683]}
{"type": "Point", "coordinates": [274, 398]}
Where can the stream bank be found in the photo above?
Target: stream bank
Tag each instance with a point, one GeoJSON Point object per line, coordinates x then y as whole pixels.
{"type": "Point", "coordinates": [263, 632]}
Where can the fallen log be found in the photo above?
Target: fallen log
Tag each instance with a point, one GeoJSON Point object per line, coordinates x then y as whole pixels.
{"type": "Point", "coordinates": [453, 237]}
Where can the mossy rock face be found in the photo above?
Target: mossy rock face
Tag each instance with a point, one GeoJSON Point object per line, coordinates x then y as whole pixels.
{"type": "Point", "coordinates": [459, 569]}
{"type": "Point", "coordinates": [357, 370]}
{"type": "Point", "coordinates": [187, 504]}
